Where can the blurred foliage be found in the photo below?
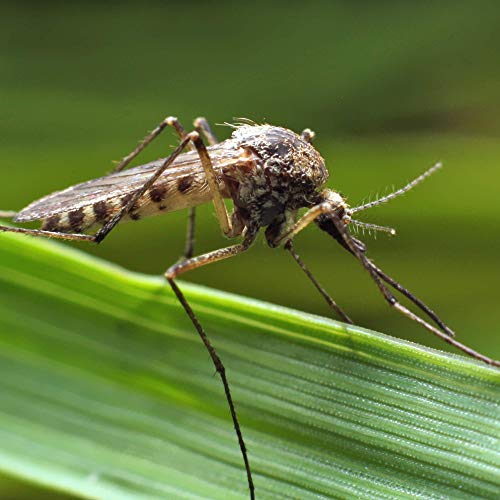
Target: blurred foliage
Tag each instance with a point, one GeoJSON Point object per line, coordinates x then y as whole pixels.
{"type": "Point", "coordinates": [389, 87]}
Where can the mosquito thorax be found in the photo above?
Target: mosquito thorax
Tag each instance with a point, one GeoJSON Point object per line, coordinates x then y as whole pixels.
{"type": "Point", "coordinates": [284, 171]}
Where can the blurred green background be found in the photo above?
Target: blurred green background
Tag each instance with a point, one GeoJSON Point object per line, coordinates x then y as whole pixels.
{"type": "Point", "coordinates": [389, 87]}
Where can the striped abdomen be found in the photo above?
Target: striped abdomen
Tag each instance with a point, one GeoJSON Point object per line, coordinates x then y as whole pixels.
{"type": "Point", "coordinates": [185, 191]}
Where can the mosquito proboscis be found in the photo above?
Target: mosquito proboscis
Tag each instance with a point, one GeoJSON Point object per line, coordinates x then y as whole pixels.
{"type": "Point", "coordinates": [269, 173]}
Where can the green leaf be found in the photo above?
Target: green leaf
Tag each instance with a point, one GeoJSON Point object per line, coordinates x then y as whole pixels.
{"type": "Point", "coordinates": [107, 392]}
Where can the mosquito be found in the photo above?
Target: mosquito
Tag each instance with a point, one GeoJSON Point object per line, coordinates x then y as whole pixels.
{"type": "Point", "coordinates": [268, 172]}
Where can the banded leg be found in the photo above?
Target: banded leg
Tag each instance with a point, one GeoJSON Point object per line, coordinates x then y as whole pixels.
{"type": "Point", "coordinates": [189, 265]}
{"type": "Point", "coordinates": [377, 277]}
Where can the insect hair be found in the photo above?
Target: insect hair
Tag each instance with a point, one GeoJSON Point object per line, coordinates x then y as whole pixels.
{"type": "Point", "coordinates": [372, 227]}
{"type": "Point", "coordinates": [398, 192]}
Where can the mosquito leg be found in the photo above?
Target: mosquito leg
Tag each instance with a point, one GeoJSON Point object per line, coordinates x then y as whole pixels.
{"type": "Point", "coordinates": [190, 233]}
{"type": "Point", "coordinates": [400, 288]}
{"type": "Point", "coordinates": [325, 207]}
{"type": "Point", "coordinates": [48, 234]}
{"type": "Point", "coordinates": [194, 263]}
{"type": "Point", "coordinates": [392, 301]}
{"type": "Point", "coordinates": [167, 122]}
{"type": "Point", "coordinates": [220, 207]}
{"type": "Point", "coordinates": [210, 257]}
{"type": "Point", "coordinates": [310, 216]}
{"type": "Point", "coordinates": [111, 223]}
{"type": "Point", "coordinates": [218, 201]}
{"type": "Point", "coordinates": [321, 290]}
{"type": "Point", "coordinates": [201, 125]}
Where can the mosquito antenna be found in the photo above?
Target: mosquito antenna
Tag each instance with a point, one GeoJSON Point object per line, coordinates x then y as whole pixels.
{"type": "Point", "coordinates": [373, 227]}
{"type": "Point", "coordinates": [398, 192]}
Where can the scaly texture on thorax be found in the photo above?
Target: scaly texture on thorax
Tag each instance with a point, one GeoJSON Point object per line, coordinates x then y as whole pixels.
{"type": "Point", "coordinates": [278, 172]}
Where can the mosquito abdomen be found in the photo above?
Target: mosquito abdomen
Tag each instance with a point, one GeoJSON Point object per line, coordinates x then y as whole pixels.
{"type": "Point", "coordinates": [80, 219]}
{"type": "Point", "coordinates": [187, 191]}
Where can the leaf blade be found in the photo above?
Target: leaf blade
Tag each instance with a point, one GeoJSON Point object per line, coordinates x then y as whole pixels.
{"type": "Point", "coordinates": [103, 372]}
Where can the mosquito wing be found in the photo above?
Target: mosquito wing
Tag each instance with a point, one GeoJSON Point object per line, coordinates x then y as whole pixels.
{"type": "Point", "coordinates": [182, 185]}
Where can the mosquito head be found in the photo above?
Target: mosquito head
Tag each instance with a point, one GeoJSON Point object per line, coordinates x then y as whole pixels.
{"type": "Point", "coordinates": [340, 210]}
{"type": "Point", "coordinates": [345, 213]}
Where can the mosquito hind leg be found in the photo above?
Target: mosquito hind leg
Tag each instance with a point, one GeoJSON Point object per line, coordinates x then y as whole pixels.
{"type": "Point", "coordinates": [48, 234]}
{"type": "Point", "coordinates": [41, 232]}
{"type": "Point", "coordinates": [194, 263]}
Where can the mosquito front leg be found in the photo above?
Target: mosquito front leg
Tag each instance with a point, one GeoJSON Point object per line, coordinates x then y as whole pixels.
{"type": "Point", "coordinates": [315, 282]}
{"type": "Point", "coordinates": [327, 207]}
{"type": "Point", "coordinates": [191, 264]}
{"type": "Point", "coordinates": [393, 302]}
{"type": "Point", "coordinates": [310, 216]}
